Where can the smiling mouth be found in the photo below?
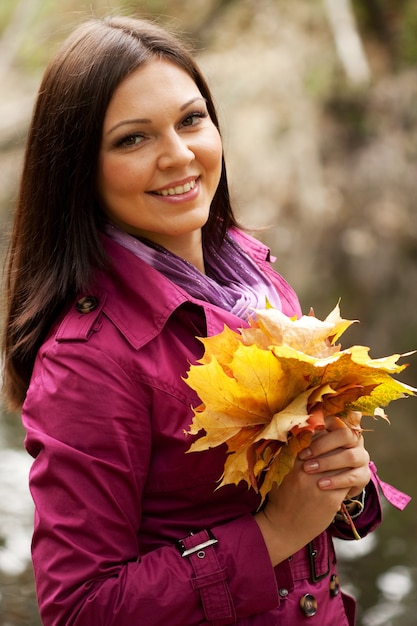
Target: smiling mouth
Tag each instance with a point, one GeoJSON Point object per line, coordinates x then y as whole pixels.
{"type": "Point", "coordinates": [178, 190]}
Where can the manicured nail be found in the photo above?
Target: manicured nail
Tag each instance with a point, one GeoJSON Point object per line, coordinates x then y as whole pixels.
{"type": "Point", "coordinates": [324, 482]}
{"type": "Point", "coordinates": [305, 454]}
{"type": "Point", "coordinates": [311, 466]}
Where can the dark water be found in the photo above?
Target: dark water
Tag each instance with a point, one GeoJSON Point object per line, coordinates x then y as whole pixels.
{"type": "Point", "coordinates": [17, 594]}
{"type": "Point", "coordinates": [380, 570]}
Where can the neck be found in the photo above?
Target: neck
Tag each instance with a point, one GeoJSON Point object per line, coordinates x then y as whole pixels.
{"type": "Point", "coordinates": [189, 248]}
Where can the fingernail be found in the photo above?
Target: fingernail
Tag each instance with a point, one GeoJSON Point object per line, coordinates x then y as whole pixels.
{"type": "Point", "coordinates": [305, 454]}
{"type": "Point", "coordinates": [324, 482]}
{"type": "Point", "coordinates": [311, 466]}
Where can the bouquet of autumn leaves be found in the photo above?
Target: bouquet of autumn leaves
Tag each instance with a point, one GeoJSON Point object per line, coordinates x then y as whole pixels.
{"type": "Point", "coordinates": [266, 390]}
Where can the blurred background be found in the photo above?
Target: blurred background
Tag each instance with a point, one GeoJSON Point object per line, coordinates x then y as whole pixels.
{"type": "Point", "coordinates": [318, 103]}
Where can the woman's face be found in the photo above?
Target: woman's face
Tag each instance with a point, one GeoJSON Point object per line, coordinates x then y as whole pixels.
{"type": "Point", "coordinates": [160, 157]}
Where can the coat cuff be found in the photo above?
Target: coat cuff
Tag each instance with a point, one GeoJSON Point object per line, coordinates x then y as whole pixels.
{"type": "Point", "coordinates": [253, 589]}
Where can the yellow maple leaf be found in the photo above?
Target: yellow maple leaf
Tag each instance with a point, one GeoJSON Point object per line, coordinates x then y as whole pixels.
{"type": "Point", "coordinates": [293, 415]}
{"type": "Point", "coordinates": [221, 346]}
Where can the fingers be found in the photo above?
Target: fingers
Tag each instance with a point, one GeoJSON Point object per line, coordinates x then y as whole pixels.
{"type": "Point", "coordinates": [338, 459]}
{"type": "Point", "coordinates": [334, 437]}
{"type": "Point", "coordinates": [352, 481]}
{"type": "Point", "coordinates": [347, 469]}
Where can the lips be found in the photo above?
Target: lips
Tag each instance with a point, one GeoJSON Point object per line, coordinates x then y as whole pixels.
{"type": "Point", "coordinates": [177, 190]}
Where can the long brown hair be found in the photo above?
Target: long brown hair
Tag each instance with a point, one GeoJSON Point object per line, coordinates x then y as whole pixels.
{"type": "Point", "coordinates": [55, 243]}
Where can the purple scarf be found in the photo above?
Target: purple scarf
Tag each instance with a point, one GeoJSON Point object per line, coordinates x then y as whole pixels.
{"type": "Point", "coordinates": [232, 281]}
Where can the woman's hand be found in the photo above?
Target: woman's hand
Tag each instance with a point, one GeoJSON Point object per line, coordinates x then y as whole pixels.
{"type": "Point", "coordinates": [334, 467]}
{"type": "Point", "coordinates": [341, 455]}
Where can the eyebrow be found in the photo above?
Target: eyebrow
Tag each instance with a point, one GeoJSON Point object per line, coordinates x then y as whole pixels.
{"type": "Point", "coordinates": [145, 120]}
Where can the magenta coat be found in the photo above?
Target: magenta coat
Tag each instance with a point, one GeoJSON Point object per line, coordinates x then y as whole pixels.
{"type": "Point", "coordinates": [114, 491]}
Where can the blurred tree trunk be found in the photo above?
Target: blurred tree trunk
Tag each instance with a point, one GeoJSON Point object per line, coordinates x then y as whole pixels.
{"type": "Point", "coordinates": [348, 41]}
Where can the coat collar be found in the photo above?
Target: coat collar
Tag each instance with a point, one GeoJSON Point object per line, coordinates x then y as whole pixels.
{"type": "Point", "coordinates": [139, 299]}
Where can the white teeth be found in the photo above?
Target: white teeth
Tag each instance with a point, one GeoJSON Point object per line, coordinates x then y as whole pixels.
{"type": "Point", "coordinates": [177, 191]}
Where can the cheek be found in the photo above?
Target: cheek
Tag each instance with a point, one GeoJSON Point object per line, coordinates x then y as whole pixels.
{"type": "Point", "coordinates": [116, 177]}
{"type": "Point", "coordinates": [214, 154]}
{"type": "Point", "coordinates": [106, 179]}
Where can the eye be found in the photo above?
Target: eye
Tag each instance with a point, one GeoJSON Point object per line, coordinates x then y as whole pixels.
{"type": "Point", "coordinates": [193, 118]}
{"type": "Point", "coordinates": [129, 141]}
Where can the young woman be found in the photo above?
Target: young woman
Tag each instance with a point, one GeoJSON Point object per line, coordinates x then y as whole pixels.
{"type": "Point", "coordinates": [125, 249]}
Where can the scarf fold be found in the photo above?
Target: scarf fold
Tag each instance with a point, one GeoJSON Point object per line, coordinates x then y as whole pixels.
{"type": "Point", "coordinates": [233, 281]}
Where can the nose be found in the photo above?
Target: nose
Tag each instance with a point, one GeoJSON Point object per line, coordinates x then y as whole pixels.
{"type": "Point", "coordinates": [175, 152]}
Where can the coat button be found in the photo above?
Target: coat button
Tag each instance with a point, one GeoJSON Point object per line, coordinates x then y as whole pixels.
{"type": "Point", "coordinates": [334, 585]}
{"type": "Point", "coordinates": [87, 304]}
{"type": "Point", "coordinates": [308, 605]}
{"type": "Point", "coordinates": [283, 593]}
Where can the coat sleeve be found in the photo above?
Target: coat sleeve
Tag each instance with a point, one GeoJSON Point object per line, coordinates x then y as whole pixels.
{"type": "Point", "coordinates": [88, 429]}
{"type": "Point", "coordinates": [371, 516]}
